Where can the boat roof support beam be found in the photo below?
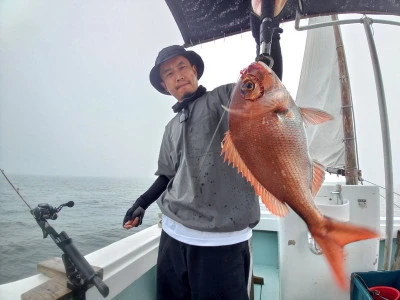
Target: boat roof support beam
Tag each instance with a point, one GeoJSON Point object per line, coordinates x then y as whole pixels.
{"type": "Point", "coordinates": [339, 22]}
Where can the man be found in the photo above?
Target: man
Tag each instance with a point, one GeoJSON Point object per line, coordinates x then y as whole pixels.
{"type": "Point", "coordinates": [208, 208]}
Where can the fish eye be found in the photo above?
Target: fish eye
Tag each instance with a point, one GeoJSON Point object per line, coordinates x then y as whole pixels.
{"type": "Point", "coordinates": [249, 85]}
{"type": "Point", "coordinates": [251, 88]}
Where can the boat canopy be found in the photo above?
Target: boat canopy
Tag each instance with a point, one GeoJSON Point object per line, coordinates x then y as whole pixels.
{"type": "Point", "coordinates": [206, 20]}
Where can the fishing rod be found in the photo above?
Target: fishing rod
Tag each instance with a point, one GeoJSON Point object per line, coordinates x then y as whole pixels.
{"type": "Point", "coordinates": [79, 272]}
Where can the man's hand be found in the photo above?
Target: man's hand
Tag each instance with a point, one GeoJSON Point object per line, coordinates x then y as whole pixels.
{"type": "Point", "coordinates": [256, 5]}
{"type": "Point", "coordinates": [276, 8]}
{"type": "Point", "coordinates": [133, 217]}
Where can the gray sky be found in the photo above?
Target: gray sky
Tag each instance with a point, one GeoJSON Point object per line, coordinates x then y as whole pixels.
{"type": "Point", "coordinates": [75, 97]}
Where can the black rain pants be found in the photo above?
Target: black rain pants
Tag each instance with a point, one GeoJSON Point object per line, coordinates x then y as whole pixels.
{"type": "Point", "coordinates": [190, 272]}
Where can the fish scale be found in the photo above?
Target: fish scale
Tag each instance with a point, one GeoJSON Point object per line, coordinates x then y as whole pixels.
{"type": "Point", "coordinates": [271, 172]}
{"type": "Point", "coordinates": [267, 144]}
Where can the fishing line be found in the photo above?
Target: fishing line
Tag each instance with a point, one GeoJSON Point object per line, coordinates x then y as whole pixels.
{"type": "Point", "coordinates": [383, 197]}
{"type": "Point", "coordinates": [15, 189]}
{"type": "Point", "coordinates": [380, 186]}
{"type": "Point", "coordinates": [384, 189]}
{"type": "Point", "coordinates": [212, 138]}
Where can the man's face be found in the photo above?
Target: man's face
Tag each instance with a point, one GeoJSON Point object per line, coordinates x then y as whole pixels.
{"type": "Point", "coordinates": [179, 77]}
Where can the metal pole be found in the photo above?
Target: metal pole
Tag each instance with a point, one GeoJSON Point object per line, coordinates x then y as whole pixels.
{"type": "Point", "coordinates": [387, 154]}
{"type": "Point", "coordinates": [337, 22]}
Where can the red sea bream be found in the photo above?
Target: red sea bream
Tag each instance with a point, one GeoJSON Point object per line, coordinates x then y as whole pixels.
{"type": "Point", "coordinates": [267, 143]}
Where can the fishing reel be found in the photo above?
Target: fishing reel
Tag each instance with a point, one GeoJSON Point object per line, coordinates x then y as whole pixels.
{"type": "Point", "coordinates": [80, 273]}
{"type": "Point", "coordinates": [46, 211]}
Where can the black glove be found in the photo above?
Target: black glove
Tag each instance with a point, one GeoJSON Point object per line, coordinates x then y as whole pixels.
{"type": "Point", "coordinates": [143, 202]}
{"type": "Point", "coordinates": [136, 211]}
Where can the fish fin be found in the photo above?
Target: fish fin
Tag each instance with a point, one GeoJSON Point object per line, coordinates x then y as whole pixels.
{"type": "Point", "coordinates": [332, 237]}
{"type": "Point", "coordinates": [318, 177]}
{"type": "Point", "coordinates": [275, 206]}
{"type": "Point", "coordinates": [231, 155]}
{"type": "Point", "coordinates": [314, 116]}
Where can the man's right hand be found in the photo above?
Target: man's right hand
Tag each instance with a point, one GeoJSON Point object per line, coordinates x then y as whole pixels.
{"type": "Point", "coordinates": [133, 217]}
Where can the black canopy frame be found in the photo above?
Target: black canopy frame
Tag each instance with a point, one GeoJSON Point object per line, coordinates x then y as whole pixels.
{"type": "Point", "coordinates": [201, 21]}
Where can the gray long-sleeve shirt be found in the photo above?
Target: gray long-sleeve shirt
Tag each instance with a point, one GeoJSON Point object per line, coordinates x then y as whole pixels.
{"type": "Point", "coordinates": [204, 193]}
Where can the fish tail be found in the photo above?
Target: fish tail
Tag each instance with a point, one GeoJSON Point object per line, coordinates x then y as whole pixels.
{"type": "Point", "coordinates": [332, 237]}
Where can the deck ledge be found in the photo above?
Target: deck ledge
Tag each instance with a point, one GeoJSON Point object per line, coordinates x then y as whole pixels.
{"type": "Point", "coordinates": [123, 262]}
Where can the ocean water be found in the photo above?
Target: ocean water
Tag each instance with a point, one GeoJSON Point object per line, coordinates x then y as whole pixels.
{"type": "Point", "coordinates": [94, 222]}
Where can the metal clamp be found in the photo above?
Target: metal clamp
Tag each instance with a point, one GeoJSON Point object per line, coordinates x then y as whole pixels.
{"type": "Point", "coordinates": [312, 245]}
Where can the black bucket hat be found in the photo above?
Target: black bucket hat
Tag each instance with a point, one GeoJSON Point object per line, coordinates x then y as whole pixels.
{"type": "Point", "coordinates": [171, 52]}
